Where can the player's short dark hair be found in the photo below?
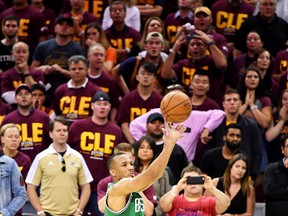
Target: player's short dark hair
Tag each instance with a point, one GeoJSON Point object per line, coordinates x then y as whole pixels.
{"type": "Point", "coordinates": [232, 125]}
{"type": "Point", "coordinates": [11, 18]}
{"type": "Point", "coordinates": [117, 2]}
{"type": "Point", "coordinates": [78, 58]}
{"type": "Point", "coordinates": [191, 168]}
{"type": "Point", "coordinates": [60, 119]}
{"type": "Point", "coordinates": [111, 159]}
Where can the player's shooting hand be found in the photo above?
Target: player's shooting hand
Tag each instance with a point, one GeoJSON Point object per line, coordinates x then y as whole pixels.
{"type": "Point", "coordinates": [173, 133]}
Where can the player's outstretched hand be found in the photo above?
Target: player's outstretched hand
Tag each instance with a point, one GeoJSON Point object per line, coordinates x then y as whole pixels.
{"type": "Point", "coordinates": [172, 133]}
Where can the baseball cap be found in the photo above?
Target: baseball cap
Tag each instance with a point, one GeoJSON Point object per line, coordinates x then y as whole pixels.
{"type": "Point", "coordinates": [100, 96]}
{"type": "Point", "coordinates": [38, 86]}
{"type": "Point", "coordinates": [23, 86]}
{"type": "Point", "coordinates": [202, 9]}
{"type": "Point", "coordinates": [155, 35]}
{"type": "Point", "coordinates": [155, 116]}
{"type": "Point", "coordinates": [66, 18]}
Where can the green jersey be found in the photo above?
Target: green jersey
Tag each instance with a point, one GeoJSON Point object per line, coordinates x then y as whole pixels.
{"type": "Point", "coordinates": [134, 207]}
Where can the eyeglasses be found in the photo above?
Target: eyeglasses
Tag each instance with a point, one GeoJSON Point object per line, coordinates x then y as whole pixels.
{"type": "Point", "coordinates": [64, 165]}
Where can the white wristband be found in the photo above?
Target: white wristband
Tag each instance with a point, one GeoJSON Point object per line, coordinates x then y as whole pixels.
{"type": "Point", "coordinates": [40, 212]}
{"type": "Point", "coordinates": [254, 107]}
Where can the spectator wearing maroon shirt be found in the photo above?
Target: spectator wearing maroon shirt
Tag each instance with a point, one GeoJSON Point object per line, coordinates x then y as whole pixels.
{"type": "Point", "coordinates": [95, 137]}
{"type": "Point", "coordinates": [228, 16]}
{"type": "Point", "coordinates": [72, 99]}
{"type": "Point", "coordinates": [81, 18]}
{"type": "Point", "coordinates": [31, 22]}
{"type": "Point", "coordinates": [214, 64]}
{"type": "Point", "coordinates": [49, 17]}
{"type": "Point", "coordinates": [101, 78]}
{"type": "Point", "coordinates": [119, 34]}
{"type": "Point", "coordinates": [140, 100]}
{"type": "Point", "coordinates": [20, 73]}
{"type": "Point", "coordinates": [33, 124]}
{"type": "Point", "coordinates": [10, 138]}
{"type": "Point", "coordinates": [175, 20]}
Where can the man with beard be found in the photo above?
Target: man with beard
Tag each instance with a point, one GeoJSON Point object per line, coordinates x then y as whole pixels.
{"type": "Point", "coordinates": [52, 56]}
{"type": "Point", "coordinates": [251, 142]}
{"type": "Point", "coordinates": [10, 29]}
{"type": "Point", "coordinates": [33, 123]}
{"type": "Point", "coordinates": [215, 160]}
{"type": "Point", "coordinates": [178, 160]}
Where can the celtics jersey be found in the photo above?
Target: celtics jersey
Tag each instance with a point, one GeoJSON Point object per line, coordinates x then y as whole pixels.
{"type": "Point", "coordinates": [134, 207]}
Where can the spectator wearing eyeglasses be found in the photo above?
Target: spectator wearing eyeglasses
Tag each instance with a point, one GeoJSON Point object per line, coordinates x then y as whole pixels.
{"type": "Point", "coordinates": [62, 172]}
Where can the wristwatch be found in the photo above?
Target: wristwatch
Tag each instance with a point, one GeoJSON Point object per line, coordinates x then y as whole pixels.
{"type": "Point", "coordinates": [40, 212]}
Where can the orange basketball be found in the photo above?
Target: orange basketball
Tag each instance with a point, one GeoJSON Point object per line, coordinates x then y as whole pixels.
{"type": "Point", "coordinates": [176, 106]}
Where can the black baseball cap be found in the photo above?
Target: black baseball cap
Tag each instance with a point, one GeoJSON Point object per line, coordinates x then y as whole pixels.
{"type": "Point", "coordinates": [155, 116]}
{"type": "Point", "coordinates": [38, 86]}
{"type": "Point", "coordinates": [66, 18]}
{"type": "Point", "coordinates": [23, 86]}
{"type": "Point", "coordinates": [101, 96]}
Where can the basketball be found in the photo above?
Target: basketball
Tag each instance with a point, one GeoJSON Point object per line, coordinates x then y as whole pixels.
{"type": "Point", "coordinates": [176, 106]}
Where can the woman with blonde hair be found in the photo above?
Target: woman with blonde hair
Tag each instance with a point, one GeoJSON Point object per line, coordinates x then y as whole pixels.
{"type": "Point", "coordinates": [10, 139]}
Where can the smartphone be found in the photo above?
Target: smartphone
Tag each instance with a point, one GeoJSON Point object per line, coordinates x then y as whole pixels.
{"type": "Point", "coordinates": [191, 180]}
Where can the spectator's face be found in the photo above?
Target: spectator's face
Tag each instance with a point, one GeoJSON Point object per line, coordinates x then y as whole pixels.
{"type": "Point", "coordinates": [63, 29]}
{"type": "Point", "coordinates": [153, 46]}
{"type": "Point", "coordinates": [184, 3]}
{"type": "Point", "coordinates": [200, 85]}
{"type": "Point", "coordinates": [38, 98]}
{"type": "Point", "coordinates": [263, 61]}
{"type": "Point", "coordinates": [145, 152]}
{"type": "Point", "coordinates": [117, 13]}
{"type": "Point", "coordinates": [77, 4]}
{"type": "Point", "coordinates": [145, 78]}
{"type": "Point", "coordinates": [59, 135]}
{"type": "Point", "coordinates": [78, 72]}
{"type": "Point", "coordinates": [202, 21]}
{"type": "Point", "coordinates": [233, 138]}
{"type": "Point", "coordinates": [267, 8]}
{"type": "Point", "coordinates": [37, 2]}
{"type": "Point", "coordinates": [93, 34]}
{"type": "Point", "coordinates": [20, 53]}
{"type": "Point", "coordinates": [11, 139]}
{"type": "Point", "coordinates": [238, 170]}
{"type": "Point", "coordinates": [154, 26]}
{"type": "Point", "coordinates": [154, 129]}
{"type": "Point", "coordinates": [285, 100]}
{"type": "Point", "coordinates": [24, 98]}
{"type": "Point", "coordinates": [285, 149]}
{"type": "Point", "coordinates": [10, 28]}
{"type": "Point", "coordinates": [253, 41]}
{"type": "Point", "coordinates": [232, 103]}
{"type": "Point", "coordinates": [197, 49]}
{"type": "Point", "coordinates": [101, 109]}
{"type": "Point", "coordinates": [192, 190]}
{"type": "Point", "coordinates": [96, 57]}
{"type": "Point", "coordinates": [252, 80]}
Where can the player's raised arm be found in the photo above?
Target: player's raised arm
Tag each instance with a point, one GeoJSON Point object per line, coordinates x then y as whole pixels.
{"type": "Point", "coordinates": [118, 193]}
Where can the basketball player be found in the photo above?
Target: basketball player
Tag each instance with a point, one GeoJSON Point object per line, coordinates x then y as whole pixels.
{"type": "Point", "coordinates": [124, 196]}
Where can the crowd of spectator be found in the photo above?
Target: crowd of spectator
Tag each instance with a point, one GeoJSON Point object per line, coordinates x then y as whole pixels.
{"type": "Point", "coordinates": [98, 70]}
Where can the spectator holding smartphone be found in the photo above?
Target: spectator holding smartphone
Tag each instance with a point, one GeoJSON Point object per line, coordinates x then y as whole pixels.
{"type": "Point", "coordinates": [192, 201]}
